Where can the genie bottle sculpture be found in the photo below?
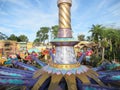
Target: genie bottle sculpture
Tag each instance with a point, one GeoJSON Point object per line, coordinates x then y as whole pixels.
{"type": "Point", "coordinates": [65, 64]}
{"type": "Point", "coordinates": [65, 42]}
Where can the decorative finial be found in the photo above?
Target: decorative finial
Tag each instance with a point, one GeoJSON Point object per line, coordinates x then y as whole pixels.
{"type": "Point", "coordinates": [64, 1]}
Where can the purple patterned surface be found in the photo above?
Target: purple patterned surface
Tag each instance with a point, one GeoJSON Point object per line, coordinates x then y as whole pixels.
{"type": "Point", "coordinates": [65, 55]}
{"type": "Point", "coordinates": [63, 33]}
{"type": "Point", "coordinates": [28, 67]}
{"type": "Point", "coordinates": [7, 80]}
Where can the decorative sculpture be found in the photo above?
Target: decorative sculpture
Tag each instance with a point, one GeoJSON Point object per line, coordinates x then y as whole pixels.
{"type": "Point", "coordinates": [64, 72]}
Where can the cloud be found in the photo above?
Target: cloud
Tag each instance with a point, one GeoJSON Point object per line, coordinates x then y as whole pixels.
{"type": "Point", "coordinates": [28, 19]}
{"type": "Point", "coordinates": [5, 30]}
{"type": "Point", "coordinates": [75, 5]}
{"type": "Point", "coordinates": [115, 9]}
{"type": "Point", "coordinates": [27, 16]}
{"type": "Point", "coordinates": [22, 3]}
{"type": "Point", "coordinates": [97, 12]}
{"type": "Point", "coordinates": [102, 4]}
{"type": "Point", "coordinates": [3, 13]}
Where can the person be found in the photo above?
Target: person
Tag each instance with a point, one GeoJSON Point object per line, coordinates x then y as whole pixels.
{"type": "Point", "coordinates": [79, 54]}
{"type": "Point", "coordinates": [51, 55]}
{"type": "Point", "coordinates": [46, 52]}
{"type": "Point", "coordinates": [53, 51]}
{"type": "Point", "coordinates": [34, 54]}
{"type": "Point", "coordinates": [28, 59]}
{"type": "Point", "coordinates": [2, 60]}
{"type": "Point", "coordinates": [89, 52]}
{"type": "Point", "coordinates": [18, 56]}
{"type": "Point", "coordinates": [11, 57]}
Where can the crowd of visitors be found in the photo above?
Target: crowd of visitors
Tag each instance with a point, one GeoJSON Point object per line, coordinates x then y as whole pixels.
{"type": "Point", "coordinates": [25, 56]}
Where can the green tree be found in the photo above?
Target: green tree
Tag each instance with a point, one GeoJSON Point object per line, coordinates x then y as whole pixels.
{"type": "Point", "coordinates": [13, 37]}
{"type": "Point", "coordinates": [89, 38]}
{"type": "Point", "coordinates": [81, 37]}
{"type": "Point", "coordinates": [3, 36]}
{"type": "Point", "coordinates": [97, 31]}
{"type": "Point", "coordinates": [55, 31]}
{"type": "Point", "coordinates": [22, 38]}
{"type": "Point", "coordinates": [109, 43]}
{"type": "Point", "coordinates": [42, 34]}
{"type": "Point", "coordinates": [114, 42]}
{"type": "Point", "coordinates": [108, 40]}
{"type": "Point", "coordinates": [110, 33]}
{"type": "Point", "coordinates": [104, 44]}
{"type": "Point", "coordinates": [36, 42]}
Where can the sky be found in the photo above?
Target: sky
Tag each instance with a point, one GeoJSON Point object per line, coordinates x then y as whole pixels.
{"type": "Point", "coordinates": [27, 16]}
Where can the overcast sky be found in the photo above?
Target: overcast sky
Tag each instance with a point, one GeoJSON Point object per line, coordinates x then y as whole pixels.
{"type": "Point", "coordinates": [27, 16]}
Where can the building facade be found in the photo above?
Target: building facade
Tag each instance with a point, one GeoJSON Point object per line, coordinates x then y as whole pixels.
{"type": "Point", "coordinates": [8, 47]}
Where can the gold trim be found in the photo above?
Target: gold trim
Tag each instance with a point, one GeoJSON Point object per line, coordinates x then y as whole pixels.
{"type": "Point", "coordinates": [71, 82]}
{"type": "Point", "coordinates": [55, 79]}
{"type": "Point", "coordinates": [89, 74]}
{"type": "Point", "coordinates": [24, 88]}
{"type": "Point", "coordinates": [65, 66]}
{"type": "Point", "coordinates": [83, 78]}
{"type": "Point", "coordinates": [40, 81]}
{"type": "Point", "coordinates": [38, 73]}
{"type": "Point", "coordinates": [93, 72]}
{"type": "Point", "coordinates": [64, 16]}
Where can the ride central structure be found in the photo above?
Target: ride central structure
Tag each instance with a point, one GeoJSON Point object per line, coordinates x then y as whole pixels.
{"type": "Point", "coordinates": [64, 71]}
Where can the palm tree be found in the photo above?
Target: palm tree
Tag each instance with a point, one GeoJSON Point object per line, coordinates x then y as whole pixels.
{"type": "Point", "coordinates": [111, 39]}
{"type": "Point", "coordinates": [104, 44]}
{"type": "Point", "coordinates": [97, 31]}
{"type": "Point", "coordinates": [116, 43]}
{"type": "Point", "coordinates": [108, 40]}
{"type": "Point", "coordinates": [89, 38]}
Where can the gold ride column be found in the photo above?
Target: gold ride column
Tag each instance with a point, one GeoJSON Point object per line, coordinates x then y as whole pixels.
{"type": "Point", "coordinates": [64, 18]}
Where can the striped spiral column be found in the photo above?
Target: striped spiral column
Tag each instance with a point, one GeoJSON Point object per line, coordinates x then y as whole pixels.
{"type": "Point", "coordinates": [64, 18]}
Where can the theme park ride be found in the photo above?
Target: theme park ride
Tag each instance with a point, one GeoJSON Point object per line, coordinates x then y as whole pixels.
{"type": "Point", "coordinates": [64, 72]}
